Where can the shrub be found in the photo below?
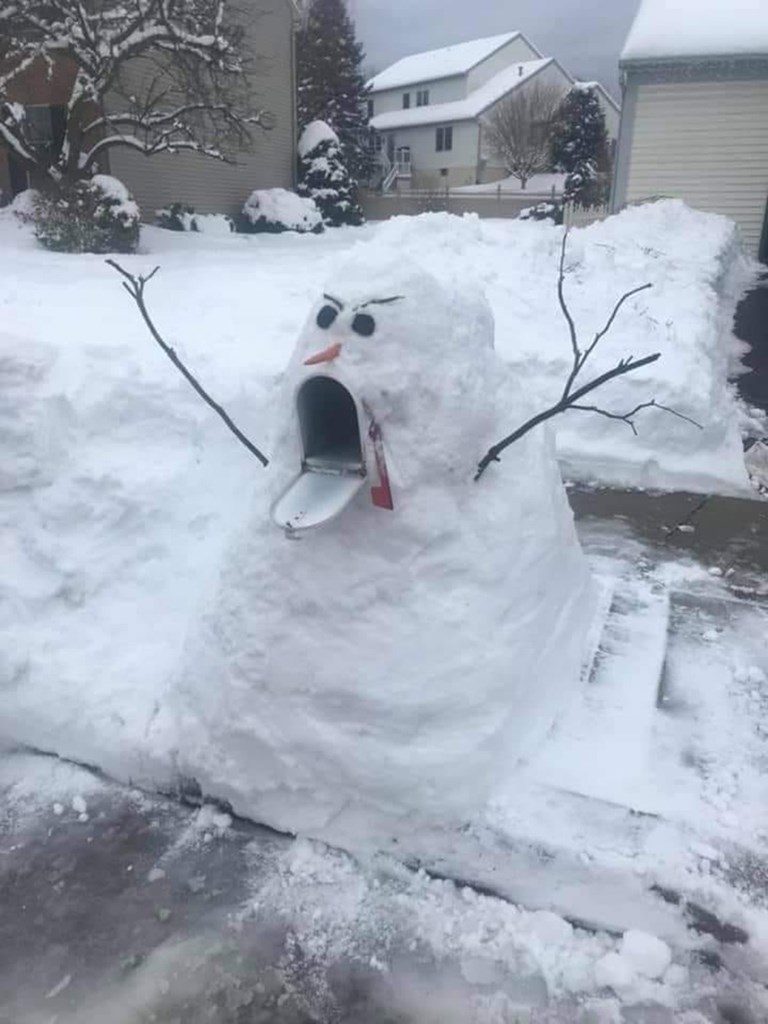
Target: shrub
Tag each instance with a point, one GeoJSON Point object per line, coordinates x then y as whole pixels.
{"type": "Point", "coordinates": [91, 215]}
{"type": "Point", "coordinates": [323, 176]}
{"type": "Point", "coordinates": [182, 217]}
{"type": "Point", "coordinates": [543, 211]}
{"type": "Point", "coordinates": [276, 209]}
{"type": "Point", "coordinates": [176, 217]}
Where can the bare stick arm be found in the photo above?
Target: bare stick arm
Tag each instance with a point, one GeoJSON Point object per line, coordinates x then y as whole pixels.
{"type": "Point", "coordinates": [135, 288]}
{"type": "Point", "coordinates": [626, 366]}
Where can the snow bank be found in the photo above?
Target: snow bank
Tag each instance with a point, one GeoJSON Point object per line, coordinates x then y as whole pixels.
{"type": "Point", "coordinates": [697, 28]}
{"type": "Point", "coordinates": [698, 272]}
{"type": "Point", "coordinates": [121, 492]}
{"type": "Point", "coordinates": [315, 133]}
{"type": "Point", "coordinates": [400, 659]}
{"type": "Point", "coordinates": [281, 209]}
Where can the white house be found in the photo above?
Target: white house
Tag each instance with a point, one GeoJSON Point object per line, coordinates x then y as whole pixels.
{"type": "Point", "coordinates": [695, 115]}
{"type": "Point", "coordinates": [429, 108]}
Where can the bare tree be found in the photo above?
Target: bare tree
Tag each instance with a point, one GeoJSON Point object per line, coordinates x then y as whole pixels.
{"type": "Point", "coordinates": [573, 393]}
{"type": "Point", "coordinates": [153, 75]}
{"type": "Point", "coordinates": [518, 129]}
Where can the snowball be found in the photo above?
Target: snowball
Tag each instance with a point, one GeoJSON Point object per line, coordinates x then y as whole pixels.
{"type": "Point", "coordinates": [315, 133]}
{"type": "Point", "coordinates": [79, 805]}
{"type": "Point", "coordinates": [613, 971]}
{"type": "Point", "coordinates": [550, 928]}
{"type": "Point", "coordinates": [646, 954]}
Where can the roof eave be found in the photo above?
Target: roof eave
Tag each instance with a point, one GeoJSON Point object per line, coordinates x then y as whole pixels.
{"type": "Point", "coordinates": [688, 59]}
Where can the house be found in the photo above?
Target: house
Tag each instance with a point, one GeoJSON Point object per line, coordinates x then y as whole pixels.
{"type": "Point", "coordinates": [207, 184]}
{"type": "Point", "coordinates": [429, 108]}
{"type": "Point", "coordinates": [695, 114]}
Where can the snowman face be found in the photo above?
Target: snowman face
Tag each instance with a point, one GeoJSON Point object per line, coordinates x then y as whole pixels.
{"type": "Point", "coordinates": [346, 324]}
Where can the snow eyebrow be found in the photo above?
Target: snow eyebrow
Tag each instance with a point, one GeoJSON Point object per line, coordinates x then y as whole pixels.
{"type": "Point", "coordinates": [380, 302]}
{"type": "Point", "coordinates": [331, 299]}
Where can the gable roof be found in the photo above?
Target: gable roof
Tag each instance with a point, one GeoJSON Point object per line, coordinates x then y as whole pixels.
{"type": "Point", "coordinates": [467, 109]}
{"type": "Point", "coordinates": [442, 63]}
{"type": "Point", "coordinates": [688, 29]}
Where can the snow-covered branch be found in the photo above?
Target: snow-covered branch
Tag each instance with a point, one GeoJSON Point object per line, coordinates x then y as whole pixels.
{"type": "Point", "coordinates": [196, 48]}
{"type": "Point", "coordinates": [571, 396]}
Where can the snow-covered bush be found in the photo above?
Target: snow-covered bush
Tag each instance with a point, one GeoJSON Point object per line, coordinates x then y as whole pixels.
{"type": "Point", "coordinates": [543, 211]}
{"type": "Point", "coordinates": [176, 217]}
{"type": "Point", "coordinates": [323, 176]}
{"type": "Point", "coordinates": [182, 217]}
{"type": "Point", "coordinates": [23, 204]}
{"type": "Point", "coordinates": [91, 215]}
{"type": "Point", "coordinates": [276, 209]}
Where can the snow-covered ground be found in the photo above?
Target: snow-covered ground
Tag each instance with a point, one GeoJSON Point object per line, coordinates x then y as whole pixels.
{"type": "Point", "coordinates": [121, 493]}
{"type": "Point", "coordinates": [538, 185]}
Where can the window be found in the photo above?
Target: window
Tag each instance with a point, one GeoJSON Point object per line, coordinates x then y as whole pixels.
{"type": "Point", "coordinates": [46, 126]}
{"type": "Point", "coordinates": [370, 109]}
{"type": "Point", "coordinates": [422, 98]}
{"type": "Point", "coordinates": [406, 100]}
{"type": "Point", "coordinates": [444, 139]}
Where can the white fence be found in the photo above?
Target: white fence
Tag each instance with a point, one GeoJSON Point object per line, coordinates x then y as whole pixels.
{"type": "Point", "coordinates": [501, 203]}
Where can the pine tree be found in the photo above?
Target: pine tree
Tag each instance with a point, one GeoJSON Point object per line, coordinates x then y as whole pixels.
{"type": "Point", "coordinates": [323, 176]}
{"type": "Point", "coordinates": [330, 83]}
{"type": "Point", "coordinates": [579, 146]}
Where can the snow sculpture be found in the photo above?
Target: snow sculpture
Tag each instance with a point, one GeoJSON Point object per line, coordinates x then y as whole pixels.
{"type": "Point", "coordinates": [404, 658]}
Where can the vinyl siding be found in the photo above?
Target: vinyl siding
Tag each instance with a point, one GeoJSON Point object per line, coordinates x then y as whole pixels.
{"type": "Point", "coordinates": [706, 143]}
{"type": "Point", "coordinates": [460, 161]}
{"type": "Point", "coordinates": [442, 90]}
{"type": "Point", "coordinates": [209, 185]}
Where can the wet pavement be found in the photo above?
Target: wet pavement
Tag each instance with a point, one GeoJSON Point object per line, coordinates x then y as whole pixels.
{"type": "Point", "coordinates": [751, 325]}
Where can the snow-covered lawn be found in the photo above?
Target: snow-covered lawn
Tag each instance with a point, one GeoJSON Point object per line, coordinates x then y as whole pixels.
{"type": "Point", "coordinates": [538, 185]}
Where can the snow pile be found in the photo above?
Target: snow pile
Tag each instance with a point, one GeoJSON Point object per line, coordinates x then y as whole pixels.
{"type": "Point", "coordinates": [278, 209]}
{"type": "Point", "coordinates": [402, 659]}
{"type": "Point", "coordinates": [698, 272]}
{"type": "Point", "coordinates": [698, 28]}
{"type": "Point", "coordinates": [121, 491]}
{"type": "Point", "coordinates": [315, 133]}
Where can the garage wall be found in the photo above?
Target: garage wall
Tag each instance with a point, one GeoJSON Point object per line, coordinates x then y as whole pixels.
{"type": "Point", "coordinates": [705, 142]}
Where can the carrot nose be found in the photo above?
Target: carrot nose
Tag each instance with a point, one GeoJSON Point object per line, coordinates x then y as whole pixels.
{"type": "Point", "coordinates": [325, 356]}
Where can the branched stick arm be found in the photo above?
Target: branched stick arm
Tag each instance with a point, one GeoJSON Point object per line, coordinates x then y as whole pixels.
{"type": "Point", "coordinates": [135, 287]}
{"type": "Point", "coordinates": [569, 398]}
{"type": "Point", "coordinates": [625, 366]}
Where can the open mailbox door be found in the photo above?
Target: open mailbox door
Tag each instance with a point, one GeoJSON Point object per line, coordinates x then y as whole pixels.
{"type": "Point", "coordinates": [333, 464]}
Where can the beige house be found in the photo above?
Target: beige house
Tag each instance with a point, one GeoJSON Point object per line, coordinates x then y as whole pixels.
{"type": "Point", "coordinates": [695, 111]}
{"type": "Point", "coordinates": [429, 108]}
{"type": "Point", "coordinates": [208, 185]}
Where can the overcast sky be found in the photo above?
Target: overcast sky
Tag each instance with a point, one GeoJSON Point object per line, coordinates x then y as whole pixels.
{"type": "Point", "coordinates": [586, 36]}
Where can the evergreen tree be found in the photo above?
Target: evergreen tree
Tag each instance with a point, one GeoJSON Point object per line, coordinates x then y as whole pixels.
{"type": "Point", "coordinates": [579, 146]}
{"type": "Point", "coordinates": [323, 176]}
{"type": "Point", "coordinates": [330, 83]}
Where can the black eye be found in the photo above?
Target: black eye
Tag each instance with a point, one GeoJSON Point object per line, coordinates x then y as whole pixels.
{"type": "Point", "coordinates": [364, 324]}
{"type": "Point", "coordinates": [326, 316]}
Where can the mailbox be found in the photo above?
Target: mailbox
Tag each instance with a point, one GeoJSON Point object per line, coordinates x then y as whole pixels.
{"type": "Point", "coordinates": [333, 450]}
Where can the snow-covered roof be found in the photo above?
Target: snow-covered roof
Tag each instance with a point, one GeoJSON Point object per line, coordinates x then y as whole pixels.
{"type": "Point", "coordinates": [467, 109]}
{"type": "Point", "coordinates": [697, 28]}
{"type": "Point", "coordinates": [443, 63]}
